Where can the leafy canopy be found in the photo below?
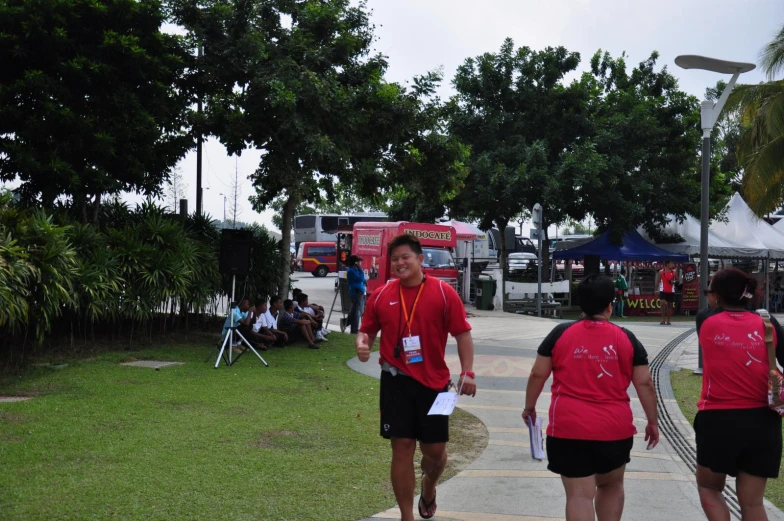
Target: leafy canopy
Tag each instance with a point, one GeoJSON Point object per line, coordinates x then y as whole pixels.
{"type": "Point", "coordinates": [89, 98]}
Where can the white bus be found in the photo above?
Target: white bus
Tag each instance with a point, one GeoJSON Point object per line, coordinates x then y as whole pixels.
{"type": "Point", "coordinates": [323, 228]}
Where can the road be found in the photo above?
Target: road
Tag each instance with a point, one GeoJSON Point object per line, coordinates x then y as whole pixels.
{"type": "Point", "coordinates": [320, 290]}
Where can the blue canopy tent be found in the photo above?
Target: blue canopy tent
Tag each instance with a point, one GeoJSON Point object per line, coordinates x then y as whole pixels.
{"type": "Point", "coordinates": [635, 248]}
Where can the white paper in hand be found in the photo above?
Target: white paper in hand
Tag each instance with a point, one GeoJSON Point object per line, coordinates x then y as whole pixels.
{"type": "Point", "coordinates": [535, 437]}
{"type": "Point", "coordinates": [444, 404]}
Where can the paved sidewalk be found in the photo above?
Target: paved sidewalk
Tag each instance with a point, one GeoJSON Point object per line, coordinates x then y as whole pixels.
{"type": "Point", "coordinates": [505, 483]}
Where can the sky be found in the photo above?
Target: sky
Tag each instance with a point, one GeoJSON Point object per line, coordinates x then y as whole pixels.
{"type": "Point", "coordinates": [422, 35]}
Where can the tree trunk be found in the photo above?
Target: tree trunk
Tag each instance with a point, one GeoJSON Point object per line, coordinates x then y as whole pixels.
{"type": "Point", "coordinates": [285, 243]}
{"type": "Point", "coordinates": [502, 224]}
{"type": "Point", "coordinates": [96, 209]}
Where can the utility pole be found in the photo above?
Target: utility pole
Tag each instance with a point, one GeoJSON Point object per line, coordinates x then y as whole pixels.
{"type": "Point", "coordinates": [199, 141]}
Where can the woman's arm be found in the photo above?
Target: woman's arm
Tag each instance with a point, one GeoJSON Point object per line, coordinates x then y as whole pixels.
{"type": "Point", "coordinates": [540, 372]}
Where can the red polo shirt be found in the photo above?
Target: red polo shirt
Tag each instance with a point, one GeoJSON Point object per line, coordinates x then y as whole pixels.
{"type": "Point", "coordinates": [592, 368]}
{"type": "Point", "coordinates": [667, 280]}
{"type": "Point", "coordinates": [735, 359]}
{"type": "Point", "coordinates": [440, 312]}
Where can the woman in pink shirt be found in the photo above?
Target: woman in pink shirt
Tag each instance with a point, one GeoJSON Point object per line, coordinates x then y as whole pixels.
{"type": "Point", "coordinates": [590, 428]}
{"type": "Point", "coordinates": [737, 434]}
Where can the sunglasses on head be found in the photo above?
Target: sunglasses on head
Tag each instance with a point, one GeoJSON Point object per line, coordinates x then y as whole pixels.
{"type": "Point", "coordinates": [707, 292]}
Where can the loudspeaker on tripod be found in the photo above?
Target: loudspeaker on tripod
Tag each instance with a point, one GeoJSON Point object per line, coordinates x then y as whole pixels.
{"type": "Point", "coordinates": [235, 252]}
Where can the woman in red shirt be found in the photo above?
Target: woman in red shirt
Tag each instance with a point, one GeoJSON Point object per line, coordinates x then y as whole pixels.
{"type": "Point", "coordinates": [737, 434]}
{"type": "Point", "coordinates": [591, 430]}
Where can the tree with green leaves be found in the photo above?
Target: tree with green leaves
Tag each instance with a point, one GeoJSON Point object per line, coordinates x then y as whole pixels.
{"type": "Point", "coordinates": [310, 95]}
{"type": "Point", "coordinates": [89, 100]}
{"type": "Point", "coordinates": [523, 124]}
{"type": "Point", "coordinates": [760, 148]}
{"type": "Point", "coordinates": [644, 148]}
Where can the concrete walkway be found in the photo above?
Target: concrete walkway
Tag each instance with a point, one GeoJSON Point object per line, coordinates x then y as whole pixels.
{"type": "Point", "coordinates": [505, 483]}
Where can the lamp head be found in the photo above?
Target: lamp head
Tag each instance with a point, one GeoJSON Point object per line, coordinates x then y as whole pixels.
{"type": "Point", "coordinates": [692, 61]}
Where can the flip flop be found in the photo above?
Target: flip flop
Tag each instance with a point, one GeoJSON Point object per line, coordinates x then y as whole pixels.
{"type": "Point", "coordinates": [424, 503]}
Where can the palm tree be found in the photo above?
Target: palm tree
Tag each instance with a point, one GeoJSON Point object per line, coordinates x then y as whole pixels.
{"type": "Point", "coordinates": [761, 147]}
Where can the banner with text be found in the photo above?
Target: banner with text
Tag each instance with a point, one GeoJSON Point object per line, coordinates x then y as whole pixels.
{"type": "Point", "coordinates": [691, 288]}
{"type": "Point", "coordinates": [642, 305]}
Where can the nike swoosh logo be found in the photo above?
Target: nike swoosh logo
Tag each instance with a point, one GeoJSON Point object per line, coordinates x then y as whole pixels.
{"type": "Point", "coordinates": [393, 303]}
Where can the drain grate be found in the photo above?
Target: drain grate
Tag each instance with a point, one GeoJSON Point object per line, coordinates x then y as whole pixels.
{"type": "Point", "coordinates": [668, 426]}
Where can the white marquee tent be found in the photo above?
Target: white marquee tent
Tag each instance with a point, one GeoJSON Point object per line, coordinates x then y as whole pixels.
{"type": "Point", "coordinates": [718, 247]}
{"type": "Point", "coordinates": [746, 229]}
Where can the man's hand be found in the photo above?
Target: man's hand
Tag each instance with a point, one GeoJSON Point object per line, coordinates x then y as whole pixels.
{"type": "Point", "coordinates": [363, 348]}
{"type": "Point", "coordinates": [285, 336]}
{"type": "Point", "coordinates": [652, 435]}
{"type": "Point", "coordinates": [466, 385]}
{"type": "Point", "coordinates": [529, 413]}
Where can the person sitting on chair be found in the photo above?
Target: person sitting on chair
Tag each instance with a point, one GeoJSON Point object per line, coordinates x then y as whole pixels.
{"type": "Point", "coordinates": [295, 327]}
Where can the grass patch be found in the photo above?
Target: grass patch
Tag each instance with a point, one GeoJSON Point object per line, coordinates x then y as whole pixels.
{"type": "Point", "coordinates": [295, 441]}
{"type": "Point", "coordinates": [687, 387]}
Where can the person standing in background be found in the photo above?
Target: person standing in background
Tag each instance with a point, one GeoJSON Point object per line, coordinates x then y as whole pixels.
{"type": "Point", "coordinates": [666, 282]}
{"type": "Point", "coordinates": [356, 290]}
{"type": "Point", "coordinates": [621, 286]}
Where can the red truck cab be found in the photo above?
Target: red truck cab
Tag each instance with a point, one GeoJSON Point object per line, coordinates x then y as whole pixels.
{"type": "Point", "coordinates": [371, 240]}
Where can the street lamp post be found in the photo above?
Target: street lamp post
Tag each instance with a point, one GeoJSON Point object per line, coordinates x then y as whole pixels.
{"type": "Point", "coordinates": [224, 209]}
{"type": "Point", "coordinates": [709, 113]}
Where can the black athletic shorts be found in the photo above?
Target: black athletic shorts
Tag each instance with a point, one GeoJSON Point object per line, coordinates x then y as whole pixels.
{"type": "Point", "coordinates": [669, 297]}
{"type": "Point", "coordinates": [730, 441]}
{"type": "Point", "coordinates": [404, 406]}
{"type": "Point", "coordinates": [583, 458]}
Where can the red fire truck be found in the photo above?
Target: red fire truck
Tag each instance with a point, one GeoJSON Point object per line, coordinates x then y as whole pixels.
{"type": "Point", "coordinates": [370, 241]}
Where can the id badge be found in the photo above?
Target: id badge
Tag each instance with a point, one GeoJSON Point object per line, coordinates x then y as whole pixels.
{"type": "Point", "coordinates": [412, 349]}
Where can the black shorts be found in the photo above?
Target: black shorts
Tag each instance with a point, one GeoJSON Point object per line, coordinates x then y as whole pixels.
{"type": "Point", "coordinates": [583, 458]}
{"type": "Point", "coordinates": [404, 406]}
{"type": "Point", "coordinates": [669, 297]}
{"type": "Point", "coordinates": [739, 440]}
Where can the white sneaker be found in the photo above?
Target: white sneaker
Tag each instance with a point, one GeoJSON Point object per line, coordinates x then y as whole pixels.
{"type": "Point", "coordinates": [320, 336]}
{"type": "Point", "coordinates": [325, 331]}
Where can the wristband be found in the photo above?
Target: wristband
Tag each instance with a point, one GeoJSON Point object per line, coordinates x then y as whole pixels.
{"type": "Point", "coordinates": [532, 409]}
{"type": "Point", "coordinates": [469, 373]}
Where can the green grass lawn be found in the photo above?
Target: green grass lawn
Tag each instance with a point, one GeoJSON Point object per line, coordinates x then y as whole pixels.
{"type": "Point", "coordinates": [687, 388]}
{"type": "Point", "coordinates": [295, 441]}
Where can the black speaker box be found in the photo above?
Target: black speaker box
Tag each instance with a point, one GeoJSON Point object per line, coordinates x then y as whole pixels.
{"type": "Point", "coordinates": [592, 265]}
{"type": "Point", "coordinates": [235, 252]}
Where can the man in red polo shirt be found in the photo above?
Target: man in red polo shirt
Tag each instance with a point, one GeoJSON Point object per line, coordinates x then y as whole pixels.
{"type": "Point", "coordinates": [415, 314]}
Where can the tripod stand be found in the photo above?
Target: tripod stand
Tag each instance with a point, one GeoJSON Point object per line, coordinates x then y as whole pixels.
{"type": "Point", "coordinates": [229, 338]}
